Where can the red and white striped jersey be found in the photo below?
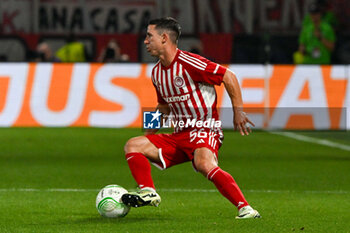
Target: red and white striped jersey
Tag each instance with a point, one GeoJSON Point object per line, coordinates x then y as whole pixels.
{"type": "Point", "coordinates": [187, 86]}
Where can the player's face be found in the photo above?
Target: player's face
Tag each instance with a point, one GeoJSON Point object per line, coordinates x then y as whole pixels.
{"type": "Point", "coordinates": [153, 41]}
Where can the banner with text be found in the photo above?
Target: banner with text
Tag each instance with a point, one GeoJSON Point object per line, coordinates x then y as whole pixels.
{"type": "Point", "coordinates": [132, 16]}
{"type": "Point", "coordinates": [113, 95]}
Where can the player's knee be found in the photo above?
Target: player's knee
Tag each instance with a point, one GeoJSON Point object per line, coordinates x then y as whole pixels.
{"type": "Point", "coordinates": [203, 166]}
{"type": "Point", "coordinates": [132, 145]}
{"type": "Point", "coordinates": [204, 160]}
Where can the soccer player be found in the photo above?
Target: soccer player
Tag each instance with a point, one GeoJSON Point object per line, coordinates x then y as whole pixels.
{"type": "Point", "coordinates": [184, 83]}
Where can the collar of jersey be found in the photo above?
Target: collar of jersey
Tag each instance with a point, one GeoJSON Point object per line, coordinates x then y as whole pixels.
{"type": "Point", "coordinates": [172, 63]}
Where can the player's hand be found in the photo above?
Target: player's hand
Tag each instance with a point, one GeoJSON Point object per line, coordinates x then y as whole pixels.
{"type": "Point", "coordinates": [241, 121]}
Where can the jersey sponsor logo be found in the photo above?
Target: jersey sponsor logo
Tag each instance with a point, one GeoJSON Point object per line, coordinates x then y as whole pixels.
{"type": "Point", "coordinates": [179, 98]}
{"type": "Point", "coordinates": [179, 81]}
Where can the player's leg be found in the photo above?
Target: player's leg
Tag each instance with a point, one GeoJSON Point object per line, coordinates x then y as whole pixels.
{"type": "Point", "coordinates": [138, 151]}
{"type": "Point", "coordinates": [206, 163]}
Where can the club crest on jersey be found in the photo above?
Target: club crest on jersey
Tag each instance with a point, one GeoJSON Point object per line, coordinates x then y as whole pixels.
{"type": "Point", "coordinates": [179, 81]}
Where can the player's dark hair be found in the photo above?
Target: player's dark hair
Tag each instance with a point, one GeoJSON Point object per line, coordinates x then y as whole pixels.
{"type": "Point", "coordinates": [170, 24]}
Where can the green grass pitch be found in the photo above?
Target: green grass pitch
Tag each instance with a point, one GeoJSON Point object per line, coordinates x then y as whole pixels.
{"type": "Point", "coordinates": [50, 178]}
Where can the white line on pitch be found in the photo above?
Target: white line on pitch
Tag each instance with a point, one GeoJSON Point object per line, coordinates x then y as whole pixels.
{"type": "Point", "coordinates": [47, 190]}
{"type": "Point", "coordinates": [323, 142]}
{"type": "Point", "coordinates": [257, 191]}
{"type": "Point", "coordinates": [178, 190]}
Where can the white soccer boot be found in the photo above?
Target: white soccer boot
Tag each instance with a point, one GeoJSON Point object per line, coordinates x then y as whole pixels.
{"type": "Point", "coordinates": [143, 197]}
{"type": "Point", "coordinates": [247, 212]}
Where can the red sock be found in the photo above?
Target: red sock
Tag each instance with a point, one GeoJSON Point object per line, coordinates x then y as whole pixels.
{"type": "Point", "coordinates": [227, 186]}
{"type": "Point", "coordinates": [140, 169]}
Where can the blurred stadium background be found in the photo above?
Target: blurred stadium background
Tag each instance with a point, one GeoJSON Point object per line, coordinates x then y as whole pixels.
{"type": "Point", "coordinates": [64, 124]}
{"type": "Point", "coordinates": [249, 32]}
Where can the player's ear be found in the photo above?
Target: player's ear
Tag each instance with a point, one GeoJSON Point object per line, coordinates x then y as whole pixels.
{"type": "Point", "coordinates": [165, 37]}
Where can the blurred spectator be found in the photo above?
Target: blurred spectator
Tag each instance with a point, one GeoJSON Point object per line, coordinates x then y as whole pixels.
{"type": "Point", "coordinates": [72, 51]}
{"type": "Point", "coordinates": [197, 48]}
{"type": "Point", "coordinates": [112, 53]}
{"type": "Point", "coordinates": [316, 40]}
{"type": "Point", "coordinates": [43, 53]}
{"type": "Point", "coordinates": [327, 14]}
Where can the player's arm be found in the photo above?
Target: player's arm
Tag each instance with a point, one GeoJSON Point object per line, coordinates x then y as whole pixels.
{"type": "Point", "coordinates": [165, 110]}
{"type": "Point", "coordinates": [328, 43]}
{"type": "Point", "coordinates": [233, 89]}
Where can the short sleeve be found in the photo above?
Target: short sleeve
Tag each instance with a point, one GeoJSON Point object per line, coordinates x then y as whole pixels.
{"type": "Point", "coordinates": [214, 73]}
{"type": "Point", "coordinates": [203, 70]}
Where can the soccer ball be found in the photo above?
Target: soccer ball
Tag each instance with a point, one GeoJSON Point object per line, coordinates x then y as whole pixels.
{"type": "Point", "coordinates": [109, 203]}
